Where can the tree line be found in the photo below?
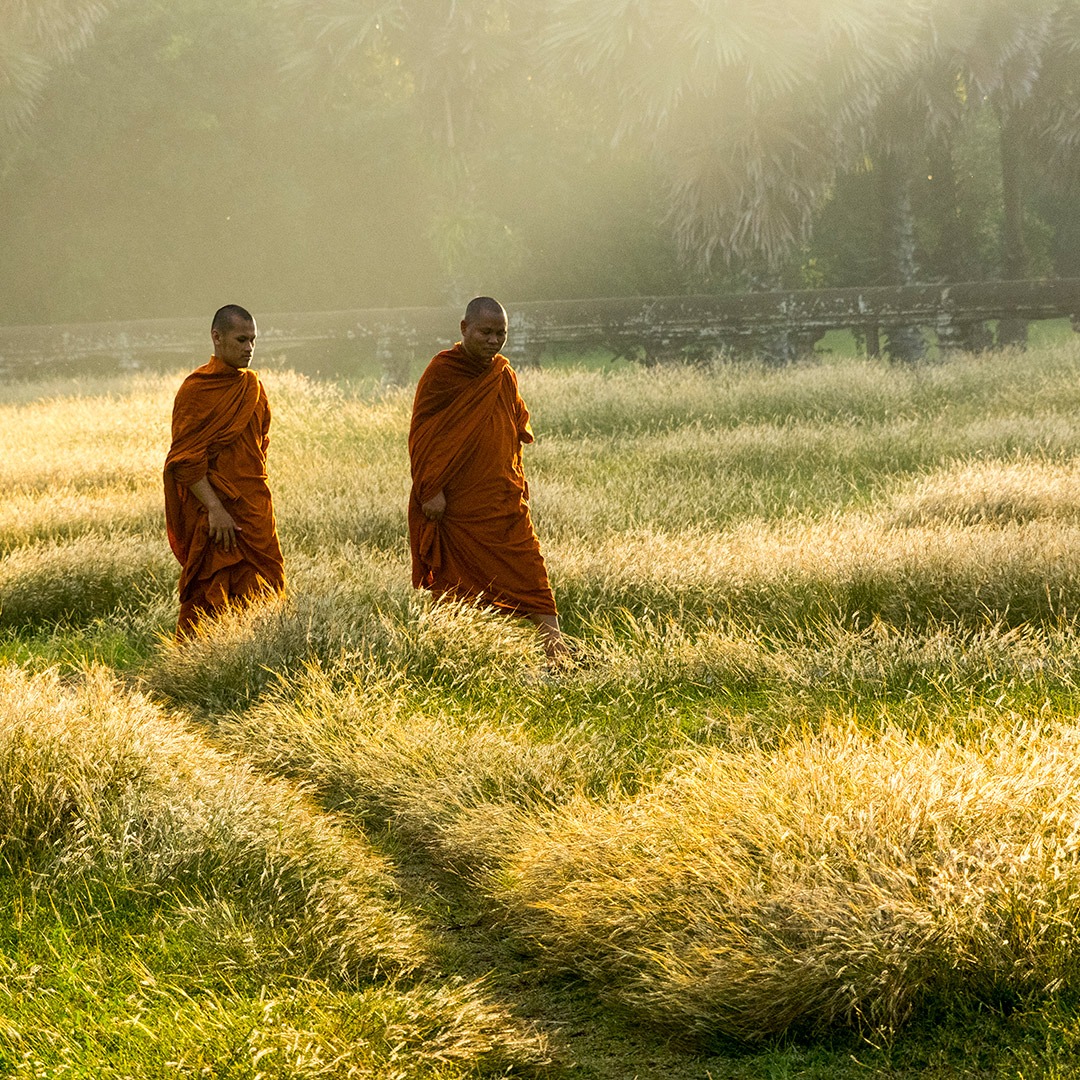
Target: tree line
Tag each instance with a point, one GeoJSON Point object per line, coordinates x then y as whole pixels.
{"type": "Point", "coordinates": [317, 154]}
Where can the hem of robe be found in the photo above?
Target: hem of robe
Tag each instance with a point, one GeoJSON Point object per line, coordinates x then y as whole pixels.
{"type": "Point", "coordinates": [461, 594]}
{"type": "Point", "coordinates": [207, 597]}
{"type": "Point", "coordinates": [441, 565]}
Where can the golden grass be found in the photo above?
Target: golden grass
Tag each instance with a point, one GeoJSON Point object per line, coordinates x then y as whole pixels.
{"type": "Point", "coordinates": [839, 875]}
{"type": "Point", "coordinates": [97, 780]}
{"type": "Point", "coordinates": [1039, 383]}
{"type": "Point", "coordinates": [845, 877]}
{"type": "Point", "coordinates": [103, 795]}
{"type": "Point", "coordinates": [720, 821]}
{"type": "Point", "coordinates": [357, 604]}
{"type": "Point", "coordinates": [84, 578]}
{"type": "Point", "coordinates": [853, 569]}
{"type": "Point", "coordinates": [87, 441]}
{"type": "Point", "coordinates": [459, 784]}
{"type": "Point", "coordinates": [990, 492]}
{"type": "Point", "coordinates": [64, 511]}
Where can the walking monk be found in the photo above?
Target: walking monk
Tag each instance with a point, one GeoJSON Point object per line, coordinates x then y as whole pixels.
{"type": "Point", "coordinates": [218, 508]}
{"type": "Point", "coordinates": [469, 526]}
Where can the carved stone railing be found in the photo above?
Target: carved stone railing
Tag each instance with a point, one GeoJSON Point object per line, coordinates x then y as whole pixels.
{"type": "Point", "coordinates": [401, 340]}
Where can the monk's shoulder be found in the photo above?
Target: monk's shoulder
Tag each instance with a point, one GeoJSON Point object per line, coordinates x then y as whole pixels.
{"type": "Point", "coordinates": [190, 392]}
{"type": "Point", "coordinates": [443, 377]}
{"type": "Point", "coordinates": [510, 382]}
{"type": "Point", "coordinates": [441, 363]}
{"type": "Point", "coordinates": [207, 394]}
{"type": "Point", "coordinates": [202, 380]}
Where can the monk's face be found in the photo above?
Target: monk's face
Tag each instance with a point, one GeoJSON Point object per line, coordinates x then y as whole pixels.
{"type": "Point", "coordinates": [485, 335]}
{"type": "Point", "coordinates": [235, 345]}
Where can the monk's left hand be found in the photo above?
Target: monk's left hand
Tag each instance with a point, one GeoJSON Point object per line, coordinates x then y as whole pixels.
{"type": "Point", "coordinates": [435, 507]}
{"type": "Point", "coordinates": [222, 527]}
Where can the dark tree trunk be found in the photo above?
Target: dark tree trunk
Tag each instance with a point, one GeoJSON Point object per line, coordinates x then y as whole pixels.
{"type": "Point", "coordinates": [954, 260]}
{"type": "Point", "coordinates": [904, 343]}
{"type": "Point", "coordinates": [1014, 256]}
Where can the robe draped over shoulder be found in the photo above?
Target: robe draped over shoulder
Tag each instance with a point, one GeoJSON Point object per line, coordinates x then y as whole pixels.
{"type": "Point", "coordinates": [220, 430]}
{"type": "Point", "coordinates": [468, 425]}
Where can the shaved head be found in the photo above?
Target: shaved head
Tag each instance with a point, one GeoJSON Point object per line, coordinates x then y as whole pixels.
{"type": "Point", "coordinates": [479, 306]}
{"type": "Point", "coordinates": [224, 317]}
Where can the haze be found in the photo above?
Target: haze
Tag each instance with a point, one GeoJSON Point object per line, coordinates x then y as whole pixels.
{"type": "Point", "coordinates": [302, 156]}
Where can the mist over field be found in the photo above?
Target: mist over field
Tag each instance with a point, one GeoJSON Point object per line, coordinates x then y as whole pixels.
{"type": "Point", "coordinates": [807, 801]}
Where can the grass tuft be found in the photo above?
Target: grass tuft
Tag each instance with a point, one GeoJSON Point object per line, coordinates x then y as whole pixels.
{"type": "Point", "coordinates": [97, 783]}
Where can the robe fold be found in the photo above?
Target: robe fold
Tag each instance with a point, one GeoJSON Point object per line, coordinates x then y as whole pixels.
{"type": "Point", "coordinates": [468, 425]}
{"type": "Point", "coordinates": [220, 430]}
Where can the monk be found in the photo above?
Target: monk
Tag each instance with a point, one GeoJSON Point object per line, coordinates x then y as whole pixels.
{"type": "Point", "coordinates": [218, 509]}
{"type": "Point", "coordinates": [470, 531]}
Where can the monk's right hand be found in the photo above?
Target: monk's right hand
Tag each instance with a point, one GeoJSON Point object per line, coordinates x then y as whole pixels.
{"type": "Point", "coordinates": [435, 507]}
{"type": "Point", "coordinates": [223, 529]}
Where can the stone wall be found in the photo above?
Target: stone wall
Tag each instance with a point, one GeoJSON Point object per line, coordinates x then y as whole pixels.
{"type": "Point", "coordinates": [652, 329]}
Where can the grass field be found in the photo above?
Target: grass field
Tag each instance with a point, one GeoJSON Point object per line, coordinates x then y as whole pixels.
{"type": "Point", "coordinates": [808, 807]}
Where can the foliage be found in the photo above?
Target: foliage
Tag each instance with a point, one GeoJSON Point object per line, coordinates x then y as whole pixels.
{"type": "Point", "coordinates": [35, 37]}
{"type": "Point", "coordinates": [321, 155]}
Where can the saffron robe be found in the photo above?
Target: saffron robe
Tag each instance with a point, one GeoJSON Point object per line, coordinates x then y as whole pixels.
{"type": "Point", "coordinates": [220, 430]}
{"type": "Point", "coordinates": [468, 425]}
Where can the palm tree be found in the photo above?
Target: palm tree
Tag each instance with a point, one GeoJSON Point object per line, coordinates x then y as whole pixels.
{"type": "Point", "coordinates": [753, 106]}
{"type": "Point", "coordinates": [451, 67]}
{"type": "Point", "coordinates": [454, 55]}
{"type": "Point", "coordinates": [1038, 109]}
{"type": "Point", "coordinates": [1000, 68]}
{"type": "Point", "coordinates": [35, 36]}
{"type": "Point", "coordinates": [1055, 97]}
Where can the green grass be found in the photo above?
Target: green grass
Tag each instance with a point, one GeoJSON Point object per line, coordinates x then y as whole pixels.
{"type": "Point", "coordinates": [99, 984]}
{"type": "Point", "coordinates": [807, 806]}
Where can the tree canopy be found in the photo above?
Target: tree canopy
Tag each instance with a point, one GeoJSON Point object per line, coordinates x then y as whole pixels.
{"type": "Point", "coordinates": [163, 157]}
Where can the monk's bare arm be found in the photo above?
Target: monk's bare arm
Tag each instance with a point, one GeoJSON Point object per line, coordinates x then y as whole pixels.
{"type": "Point", "coordinates": [223, 529]}
{"type": "Point", "coordinates": [435, 507]}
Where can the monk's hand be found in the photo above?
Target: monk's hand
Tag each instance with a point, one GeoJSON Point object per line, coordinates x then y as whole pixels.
{"type": "Point", "coordinates": [435, 507]}
{"type": "Point", "coordinates": [223, 529]}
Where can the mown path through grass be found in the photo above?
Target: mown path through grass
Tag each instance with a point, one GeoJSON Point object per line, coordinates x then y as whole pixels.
{"type": "Point", "coordinates": [586, 1038]}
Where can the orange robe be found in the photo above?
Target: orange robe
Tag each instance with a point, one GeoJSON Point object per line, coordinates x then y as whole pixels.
{"type": "Point", "coordinates": [468, 426]}
{"type": "Point", "coordinates": [220, 426]}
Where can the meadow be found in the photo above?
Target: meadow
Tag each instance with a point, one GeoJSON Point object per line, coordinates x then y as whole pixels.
{"type": "Point", "coordinates": [807, 806]}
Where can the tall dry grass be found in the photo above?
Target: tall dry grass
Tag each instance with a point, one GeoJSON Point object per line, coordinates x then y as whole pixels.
{"type": "Point", "coordinates": [653, 492]}
{"type": "Point", "coordinates": [97, 781]}
{"type": "Point", "coordinates": [853, 569]}
{"type": "Point", "coordinates": [816, 767]}
{"type": "Point", "coordinates": [844, 877]}
{"type": "Point", "coordinates": [809, 877]}
{"type": "Point", "coordinates": [76, 581]}
{"type": "Point", "coordinates": [274, 939]}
